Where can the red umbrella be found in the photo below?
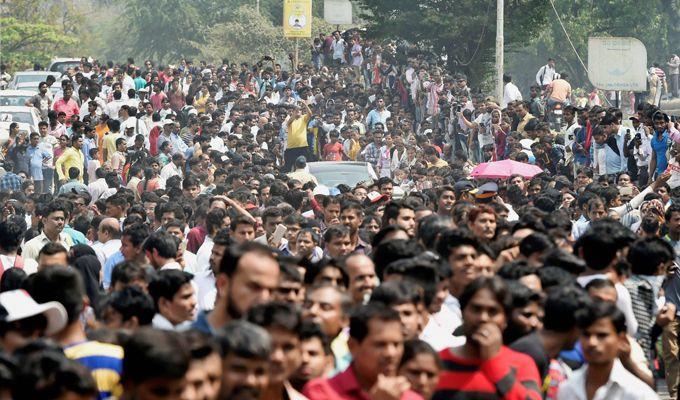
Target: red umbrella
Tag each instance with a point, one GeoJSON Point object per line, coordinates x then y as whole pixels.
{"type": "Point", "coordinates": [504, 169]}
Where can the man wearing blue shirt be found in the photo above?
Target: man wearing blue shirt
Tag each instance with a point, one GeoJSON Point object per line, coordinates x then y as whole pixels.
{"type": "Point", "coordinates": [36, 157]}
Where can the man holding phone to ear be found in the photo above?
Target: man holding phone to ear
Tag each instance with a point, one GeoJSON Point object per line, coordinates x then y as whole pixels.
{"type": "Point", "coordinates": [272, 220]}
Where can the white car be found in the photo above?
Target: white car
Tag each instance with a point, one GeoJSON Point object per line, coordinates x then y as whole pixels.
{"type": "Point", "coordinates": [63, 64]}
{"type": "Point", "coordinates": [29, 80]}
{"type": "Point", "coordinates": [15, 97]}
{"type": "Point", "coordinates": [27, 118]}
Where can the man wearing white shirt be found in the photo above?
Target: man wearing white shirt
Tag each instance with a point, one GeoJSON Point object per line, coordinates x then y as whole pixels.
{"type": "Point", "coordinates": [161, 250]}
{"type": "Point", "coordinates": [108, 235]}
{"type": "Point", "coordinates": [114, 106]}
{"type": "Point", "coordinates": [175, 299]}
{"type": "Point", "coordinates": [603, 335]}
{"type": "Point", "coordinates": [174, 168]}
{"type": "Point", "coordinates": [510, 92]}
{"type": "Point", "coordinates": [205, 281]}
{"type": "Point", "coordinates": [459, 250]}
{"type": "Point", "coordinates": [546, 74]}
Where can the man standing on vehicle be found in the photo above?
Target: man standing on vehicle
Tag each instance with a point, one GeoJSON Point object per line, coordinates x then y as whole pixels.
{"type": "Point", "coordinates": [296, 129]}
{"type": "Point", "coordinates": [558, 91]}
{"type": "Point", "coordinates": [546, 74]}
{"type": "Point", "coordinates": [42, 100]}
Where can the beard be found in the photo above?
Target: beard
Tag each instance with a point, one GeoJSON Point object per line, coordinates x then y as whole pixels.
{"type": "Point", "coordinates": [232, 311]}
{"type": "Point", "coordinates": [241, 393]}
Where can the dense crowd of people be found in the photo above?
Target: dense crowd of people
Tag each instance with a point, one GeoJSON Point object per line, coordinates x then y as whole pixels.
{"type": "Point", "coordinates": [162, 236]}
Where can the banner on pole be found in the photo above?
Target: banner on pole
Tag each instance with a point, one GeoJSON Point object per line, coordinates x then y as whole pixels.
{"type": "Point", "coordinates": [297, 18]}
{"type": "Point", "coordinates": [337, 12]}
{"type": "Point", "coordinates": [617, 63]}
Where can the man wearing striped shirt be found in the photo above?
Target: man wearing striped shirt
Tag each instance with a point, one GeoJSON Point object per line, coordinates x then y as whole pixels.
{"type": "Point", "coordinates": [483, 368]}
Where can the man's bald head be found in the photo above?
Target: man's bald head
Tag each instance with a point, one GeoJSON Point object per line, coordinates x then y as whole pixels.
{"type": "Point", "coordinates": [362, 277]}
{"type": "Point", "coordinates": [109, 229]}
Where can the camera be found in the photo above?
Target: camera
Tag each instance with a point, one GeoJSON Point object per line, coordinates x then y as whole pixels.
{"type": "Point", "coordinates": [268, 58]}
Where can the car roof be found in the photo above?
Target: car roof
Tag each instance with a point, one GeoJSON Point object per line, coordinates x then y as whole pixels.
{"type": "Point", "coordinates": [13, 92]}
{"type": "Point", "coordinates": [62, 59]}
{"type": "Point", "coordinates": [16, 108]}
{"type": "Point", "coordinates": [326, 165]}
{"type": "Point", "coordinates": [55, 73]}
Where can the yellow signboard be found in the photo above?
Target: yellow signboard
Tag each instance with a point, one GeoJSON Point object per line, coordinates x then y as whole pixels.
{"type": "Point", "coordinates": [297, 18]}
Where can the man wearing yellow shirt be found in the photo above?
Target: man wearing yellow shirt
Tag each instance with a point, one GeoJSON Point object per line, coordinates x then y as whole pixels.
{"type": "Point", "coordinates": [432, 158]}
{"type": "Point", "coordinates": [109, 142]}
{"type": "Point", "coordinates": [71, 157]}
{"type": "Point", "coordinates": [296, 127]}
{"type": "Point", "coordinates": [522, 112]}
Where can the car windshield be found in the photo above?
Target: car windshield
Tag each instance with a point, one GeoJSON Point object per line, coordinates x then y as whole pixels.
{"type": "Point", "coordinates": [13, 100]}
{"type": "Point", "coordinates": [30, 78]}
{"type": "Point", "coordinates": [16, 116]}
{"type": "Point", "coordinates": [63, 66]}
{"type": "Point", "coordinates": [341, 175]}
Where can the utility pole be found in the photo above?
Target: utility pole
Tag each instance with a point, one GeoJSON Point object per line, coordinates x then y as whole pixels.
{"type": "Point", "coordinates": [499, 50]}
{"type": "Point", "coordinates": [257, 6]}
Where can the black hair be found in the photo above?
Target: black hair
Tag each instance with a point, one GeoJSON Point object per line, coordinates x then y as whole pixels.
{"type": "Point", "coordinates": [393, 208]}
{"type": "Point", "coordinates": [395, 293]}
{"type": "Point", "coordinates": [12, 279]}
{"type": "Point", "coordinates": [153, 354]}
{"type": "Point", "coordinates": [562, 306]}
{"type": "Point", "coordinates": [599, 250]}
{"type": "Point", "coordinates": [276, 314]}
{"type": "Point", "coordinates": [646, 254]}
{"type": "Point", "coordinates": [136, 233]}
{"type": "Point", "coordinates": [335, 231]}
{"type": "Point", "coordinates": [127, 272]}
{"type": "Point", "coordinates": [552, 276]}
{"type": "Point", "coordinates": [11, 234]}
{"type": "Point", "coordinates": [412, 348]}
{"type": "Point", "coordinates": [49, 374]}
{"type": "Point", "coordinates": [388, 252]}
{"type": "Point", "coordinates": [233, 255]}
{"type": "Point", "coordinates": [214, 220]}
{"type": "Point", "coordinates": [309, 330]}
{"type": "Point", "coordinates": [514, 270]}
{"type": "Point", "coordinates": [535, 243]}
{"type": "Point", "coordinates": [431, 227]}
{"type": "Point", "coordinates": [599, 310]}
{"type": "Point", "coordinates": [166, 283]}
{"type": "Point", "coordinates": [133, 302]}
{"type": "Point", "coordinates": [361, 317]}
{"type": "Point", "coordinates": [564, 260]}
{"type": "Point", "coordinates": [64, 285]}
{"type": "Point", "coordinates": [454, 238]}
{"type": "Point", "coordinates": [245, 340]}
{"type": "Point", "coordinates": [495, 285]}
{"type": "Point", "coordinates": [163, 242]}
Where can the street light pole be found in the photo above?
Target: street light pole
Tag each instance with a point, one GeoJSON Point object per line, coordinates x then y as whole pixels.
{"type": "Point", "coordinates": [499, 50]}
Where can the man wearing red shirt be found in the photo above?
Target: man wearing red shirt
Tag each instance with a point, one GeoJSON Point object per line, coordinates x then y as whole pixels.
{"type": "Point", "coordinates": [377, 344]}
{"type": "Point", "coordinates": [67, 105]}
{"type": "Point", "coordinates": [483, 367]}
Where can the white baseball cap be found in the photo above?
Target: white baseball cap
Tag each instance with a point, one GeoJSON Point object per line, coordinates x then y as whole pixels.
{"type": "Point", "coordinates": [321, 190]}
{"type": "Point", "coordinates": [20, 305]}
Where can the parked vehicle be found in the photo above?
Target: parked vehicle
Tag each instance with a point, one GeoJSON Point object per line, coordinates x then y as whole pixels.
{"type": "Point", "coordinates": [334, 173]}
{"type": "Point", "coordinates": [15, 97]}
{"type": "Point", "coordinates": [29, 80]}
{"type": "Point", "coordinates": [63, 64]}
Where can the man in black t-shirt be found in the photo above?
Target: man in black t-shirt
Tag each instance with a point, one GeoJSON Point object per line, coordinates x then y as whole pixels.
{"type": "Point", "coordinates": [559, 331]}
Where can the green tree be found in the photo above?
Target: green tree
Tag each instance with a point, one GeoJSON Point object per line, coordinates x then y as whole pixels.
{"type": "Point", "coordinates": [25, 43]}
{"type": "Point", "coordinates": [164, 30]}
{"type": "Point", "coordinates": [656, 26]}
{"type": "Point", "coordinates": [248, 36]}
{"type": "Point", "coordinates": [462, 30]}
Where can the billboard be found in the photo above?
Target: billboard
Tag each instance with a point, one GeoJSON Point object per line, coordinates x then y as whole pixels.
{"type": "Point", "coordinates": [297, 18]}
{"type": "Point", "coordinates": [617, 63]}
{"type": "Point", "coordinates": [337, 12]}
